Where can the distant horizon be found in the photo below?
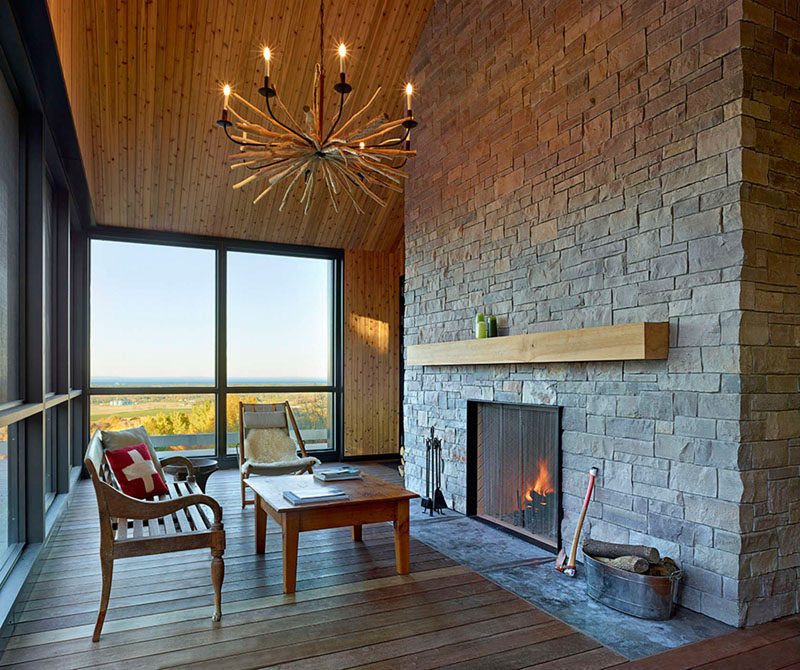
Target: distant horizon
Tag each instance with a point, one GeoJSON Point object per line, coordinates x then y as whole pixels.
{"type": "Point", "coordinates": [206, 381]}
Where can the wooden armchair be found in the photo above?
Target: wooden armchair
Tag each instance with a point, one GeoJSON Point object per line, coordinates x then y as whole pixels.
{"type": "Point", "coordinates": [133, 527]}
{"type": "Point", "coordinates": [257, 421]}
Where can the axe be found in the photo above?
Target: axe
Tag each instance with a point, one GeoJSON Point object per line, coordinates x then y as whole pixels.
{"type": "Point", "coordinates": [568, 566]}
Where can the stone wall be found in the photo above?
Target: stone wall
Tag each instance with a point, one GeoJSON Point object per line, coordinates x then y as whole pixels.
{"type": "Point", "coordinates": [770, 333]}
{"type": "Point", "coordinates": [581, 163]}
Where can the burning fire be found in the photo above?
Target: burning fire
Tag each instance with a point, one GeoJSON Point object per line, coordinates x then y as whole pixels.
{"type": "Point", "coordinates": [542, 485]}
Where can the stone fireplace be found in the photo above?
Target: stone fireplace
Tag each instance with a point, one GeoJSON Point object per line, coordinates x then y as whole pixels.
{"type": "Point", "coordinates": [514, 469]}
{"type": "Point", "coordinates": [596, 163]}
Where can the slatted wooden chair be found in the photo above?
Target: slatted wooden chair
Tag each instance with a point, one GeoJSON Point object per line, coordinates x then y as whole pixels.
{"type": "Point", "coordinates": [133, 527]}
{"type": "Point", "coordinates": [270, 417]}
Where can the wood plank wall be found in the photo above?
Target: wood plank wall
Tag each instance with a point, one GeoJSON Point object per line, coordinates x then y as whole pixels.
{"type": "Point", "coordinates": [372, 325]}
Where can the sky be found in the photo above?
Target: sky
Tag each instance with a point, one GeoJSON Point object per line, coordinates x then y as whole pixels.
{"type": "Point", "coordinates": [152, 313]}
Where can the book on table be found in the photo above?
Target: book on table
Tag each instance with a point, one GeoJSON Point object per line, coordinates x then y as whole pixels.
{"type": "Point", "coordinates": [314, 495]}
{"type": "Point", "coordinates": [338, 474]}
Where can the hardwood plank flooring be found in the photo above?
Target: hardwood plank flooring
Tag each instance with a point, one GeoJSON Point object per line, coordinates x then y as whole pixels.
{"type": "Point", "coordinates": [351, 609]}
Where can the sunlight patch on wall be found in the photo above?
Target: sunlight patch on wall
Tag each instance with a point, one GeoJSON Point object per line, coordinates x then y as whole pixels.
{"type": "Point", "coordinates": [372, 331]}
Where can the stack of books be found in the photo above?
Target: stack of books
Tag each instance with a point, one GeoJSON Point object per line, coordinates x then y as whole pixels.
{"type": "Point", "coordinates": [337, 474]}
{"type": "Point", "coordinates": [317, 494]}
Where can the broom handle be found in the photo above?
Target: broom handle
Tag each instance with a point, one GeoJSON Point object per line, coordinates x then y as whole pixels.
{"type": "Point", "coordinates": [573, 552]}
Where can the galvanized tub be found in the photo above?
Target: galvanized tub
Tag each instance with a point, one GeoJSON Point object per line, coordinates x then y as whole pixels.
{"type": "Point", "coordinates": [640, 595]}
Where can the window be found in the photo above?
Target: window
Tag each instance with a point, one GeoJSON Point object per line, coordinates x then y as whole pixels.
{"type": "Point", "coordinates": [9, 439]}
{"type": "Point", "coordinates": [280, 335]}
{"type": "Point", "coordinates": [50, 291]}
{"type": "Point", "coordinates": [50, 455]}
{"type": "Point", "coordinates": [279, 320]}
{"type": "Point", "coordinates": [154, 351]}
{"type": "Point", "coordinates": [9, 245]}
{"type": "Point", "coordinates": [152, 315]}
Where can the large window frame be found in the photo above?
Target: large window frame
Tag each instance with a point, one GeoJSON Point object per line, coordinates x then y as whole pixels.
{"type": "Point", "coordinates": [221, 388]}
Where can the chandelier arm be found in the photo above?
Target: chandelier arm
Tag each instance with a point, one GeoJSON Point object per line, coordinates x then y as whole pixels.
{"type": "Point", "coordinates": [300, 171]}
{"type": "Point", "coordinates": [328, 178]}
{"type": "Point", "coordinates": [346, 186]}
{"type": "Point", "coordinates": [287, 128]}
{"type": "Point", "coordinates": [361, 185]}
{"type": "Point", "coordinates": [392, 143]}
{"type": "Point", "coordinates": [385, 171]}
{"type": "Point", "coordinates": [358, 113]}
{"type": "Point", "coordinates": [338, 118]}
{"type": "Point", "coordinates": [374, 179]}
{"type": "Point", "coordinates": [367, 134]}
{"type": "Point", "coordinates": [243, 144]}
{"type": "Point", "coordinates": [265, 165]}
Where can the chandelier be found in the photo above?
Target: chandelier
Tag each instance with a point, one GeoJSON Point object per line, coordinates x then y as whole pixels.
{"type": "Point", "coordinates": [360, 155]}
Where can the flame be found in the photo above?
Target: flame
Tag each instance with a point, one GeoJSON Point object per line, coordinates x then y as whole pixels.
{"type": "Point", "coordinates": [542, 485]}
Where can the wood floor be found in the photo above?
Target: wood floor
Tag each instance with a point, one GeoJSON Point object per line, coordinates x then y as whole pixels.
{"type": "Point", "coordinates": [351, 609]}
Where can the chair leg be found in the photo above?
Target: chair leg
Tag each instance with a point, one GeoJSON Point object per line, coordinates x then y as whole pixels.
{"type": "Point", "coordinates": [107, 568]}
{"type": "Point", "coordinates": [244, 503]}
{"type": "Point", "coordinates": [217, 575]}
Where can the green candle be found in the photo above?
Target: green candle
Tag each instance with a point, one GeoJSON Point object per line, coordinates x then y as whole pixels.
{"type": "Point", "coordinates": [478, 321]}
{"type": "Point", "coordinates": [480, 330]}
{"type": "Point", "coordinates": [491, 327]}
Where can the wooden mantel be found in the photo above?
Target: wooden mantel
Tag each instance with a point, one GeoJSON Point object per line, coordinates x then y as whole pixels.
{"type": "Point", "coordinates": [627, 342]}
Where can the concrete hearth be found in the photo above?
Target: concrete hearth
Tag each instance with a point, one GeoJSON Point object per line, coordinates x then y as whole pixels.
{"type": "Point", "coordinates": [528, 571]}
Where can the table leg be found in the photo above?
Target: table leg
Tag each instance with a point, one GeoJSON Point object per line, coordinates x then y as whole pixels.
{"type": "Point", "coordinates": [261, 526]}
{"type": "Point", "coordinates": [356, 533]}
{"type": "Point", "coordinates": [291, 532]}
{"type": "Point", "coordinates": [401, 538]}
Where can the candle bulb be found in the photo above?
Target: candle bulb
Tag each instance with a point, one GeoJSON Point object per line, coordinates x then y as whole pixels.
{"type": "Point", "coordinates": [361, 146]}
{"type": "Point", "coordinates": [342, 54]}
{"type": "Point", "coordinates": [267, 59]}
{"type": "Point", "coordinates": [409, 91]}
{"type": "Point", "coordinates": [226, 91]}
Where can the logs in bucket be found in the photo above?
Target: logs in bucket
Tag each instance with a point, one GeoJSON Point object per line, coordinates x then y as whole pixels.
{"type": "Point", "coordinates": [614, 577]}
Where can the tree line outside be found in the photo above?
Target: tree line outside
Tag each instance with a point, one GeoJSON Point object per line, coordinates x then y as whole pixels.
{"type": "Point", "coordinates": [194, 414]}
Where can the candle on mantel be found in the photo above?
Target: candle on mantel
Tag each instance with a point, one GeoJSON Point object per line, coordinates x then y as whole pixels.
{"type": "Point", "coordinates": [267, 59]}
{"type": "Point", "coordinates": [342, 54]}
{"type": "Point", "coordinates": [409, 91]}
{"type": "Point", "coordinates": [226, 91]}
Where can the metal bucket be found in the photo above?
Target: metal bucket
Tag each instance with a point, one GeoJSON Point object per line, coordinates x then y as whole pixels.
{"type": "Point", "coordinates": [644, 596]}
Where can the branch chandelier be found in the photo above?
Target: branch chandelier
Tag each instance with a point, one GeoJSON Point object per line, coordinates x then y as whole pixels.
{"type": "Point", "coordinates": [356, 156]}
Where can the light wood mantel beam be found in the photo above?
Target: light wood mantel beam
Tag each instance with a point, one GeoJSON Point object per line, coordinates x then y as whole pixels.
{"type": "Point", "coordinates": [626, 342]}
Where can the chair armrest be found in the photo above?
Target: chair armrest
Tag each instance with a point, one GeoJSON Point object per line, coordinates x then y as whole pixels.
{"type": "Point", "coordinates": [127, 507]}
{"type": "Point", "coordinates": [179, 460]}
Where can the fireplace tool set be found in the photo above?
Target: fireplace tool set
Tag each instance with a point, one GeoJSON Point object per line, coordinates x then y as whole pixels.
{"type": "Point", "coordinates": [434, 498]}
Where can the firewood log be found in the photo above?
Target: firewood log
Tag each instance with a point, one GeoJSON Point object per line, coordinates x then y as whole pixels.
{"type": "Point", "coordinates": [664, 568]}
{"type": "Point", "coordinates": [597, 548]}
{"type": "Point", "coordinates": [630, 563]}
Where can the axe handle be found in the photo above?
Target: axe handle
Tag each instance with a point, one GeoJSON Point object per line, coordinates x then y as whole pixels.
{"type": "Point", "coordinates": [573, 551]}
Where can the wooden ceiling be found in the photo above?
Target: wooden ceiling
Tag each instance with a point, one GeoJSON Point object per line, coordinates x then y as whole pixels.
{"type": "Point", "coordinates": [144, 81]}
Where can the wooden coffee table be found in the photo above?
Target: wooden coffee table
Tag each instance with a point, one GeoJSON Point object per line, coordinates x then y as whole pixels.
{"type": "Point", "coordinates": [371, 500]}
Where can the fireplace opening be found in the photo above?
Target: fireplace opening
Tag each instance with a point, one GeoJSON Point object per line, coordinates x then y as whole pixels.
{"type": "Point", "coordinates": [514, 469]}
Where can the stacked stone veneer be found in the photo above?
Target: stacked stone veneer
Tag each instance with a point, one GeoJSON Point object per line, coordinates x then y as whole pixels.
{"type": "Point", "coordinates": [586, 163]}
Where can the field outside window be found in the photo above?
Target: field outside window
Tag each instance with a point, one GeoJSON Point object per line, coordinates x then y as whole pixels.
{"type": "Point", "coordinates": [175, 422]}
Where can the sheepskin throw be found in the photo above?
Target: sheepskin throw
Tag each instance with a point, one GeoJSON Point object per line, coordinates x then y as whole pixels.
{"type": "Point", "coordinates": [269, 445]}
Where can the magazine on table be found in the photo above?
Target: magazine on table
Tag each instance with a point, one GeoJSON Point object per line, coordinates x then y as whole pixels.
{"type": "Point", "coordinates": [314, 495]}
{"type": "Point", "coordinates": [334, 474]}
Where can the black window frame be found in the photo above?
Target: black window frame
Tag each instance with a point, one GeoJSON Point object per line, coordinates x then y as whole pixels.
{"type": "Point", "coordinates": [221, 389]}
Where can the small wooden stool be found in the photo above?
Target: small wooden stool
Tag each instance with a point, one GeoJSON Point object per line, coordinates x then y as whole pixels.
{"type": "Point", "coordinates": [203, 469]}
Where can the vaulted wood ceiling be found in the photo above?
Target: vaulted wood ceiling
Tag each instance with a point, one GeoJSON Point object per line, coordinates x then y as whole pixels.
{"type": "Point", "coordinates": [144, 82]}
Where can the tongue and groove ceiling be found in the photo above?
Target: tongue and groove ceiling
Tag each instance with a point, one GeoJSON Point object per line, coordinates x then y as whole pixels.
{"type": "Point", "coordinates": [144, 80]}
